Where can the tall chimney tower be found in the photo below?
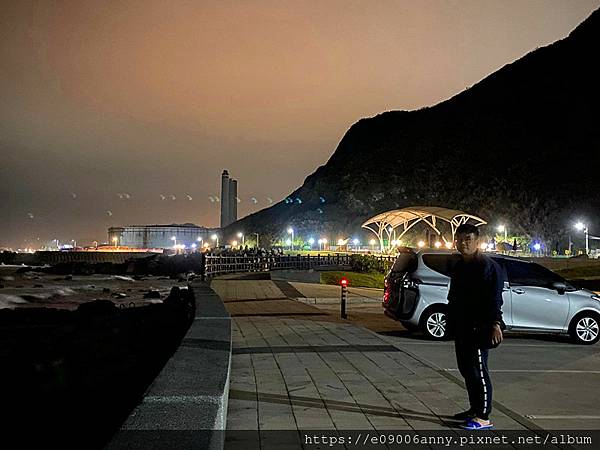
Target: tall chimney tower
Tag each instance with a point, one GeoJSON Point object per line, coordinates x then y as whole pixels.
{"type": "Point", "coordinates": [232, 200]}
{"type": "Point", "coordinates": [225, 215]}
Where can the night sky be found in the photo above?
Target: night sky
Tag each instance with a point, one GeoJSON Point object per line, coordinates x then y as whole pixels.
{"type": "Point", "coordinates": [106, 106]}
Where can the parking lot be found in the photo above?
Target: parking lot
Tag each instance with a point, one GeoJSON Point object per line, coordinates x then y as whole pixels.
{"type": "Point", "coordinates": [547, 379]}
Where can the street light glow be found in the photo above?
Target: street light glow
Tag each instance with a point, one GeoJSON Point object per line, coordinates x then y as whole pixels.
{"type": "Point", "coordinates": [288, 242]}
{"type": "Point", "coordinates": [483, 246]}
{"type": "Point", "coordinates": [580, 226]}
{"type": "Point", "coordinates": [311, 241]}
{"type": "Point", "coordinates": [355, 241]}
{"type": "Point", "coordinates": [501, 228]}
{"type": "Point", "coordinates": [537, 246]}
{"type": "Point", "coordinates": [290, 230]}
{"type": "Point", "coordinates": [448, 245]}
{"type": "Point", "coordinates": [421, 244]}
{"type": "Point", "coordinates": [437, 244]}
{"type": "Point", "coordinates": [372, 242]}
{"type": "Point", "coordinates": [234, 244]}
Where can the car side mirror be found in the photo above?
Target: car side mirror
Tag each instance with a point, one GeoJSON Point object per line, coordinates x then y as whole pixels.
{"type": "Point", "coordinates": [506, 286]}
{"type": "Point", "coordinates": [560, 287]}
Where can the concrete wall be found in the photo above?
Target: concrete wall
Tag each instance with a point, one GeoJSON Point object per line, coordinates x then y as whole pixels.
{"type": "Point", "coordinates": [89, 257]}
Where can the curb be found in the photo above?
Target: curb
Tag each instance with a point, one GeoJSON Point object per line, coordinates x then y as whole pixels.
{"type": "Point", "coordinates": [186, 405]}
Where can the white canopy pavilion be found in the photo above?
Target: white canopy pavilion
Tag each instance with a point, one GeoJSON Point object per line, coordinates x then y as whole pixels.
{"type": "Point", "coordinates": [387, 223]}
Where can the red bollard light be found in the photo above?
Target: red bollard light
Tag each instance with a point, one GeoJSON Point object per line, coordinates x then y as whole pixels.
{"type": "Point", "coordinates": [344, 285]}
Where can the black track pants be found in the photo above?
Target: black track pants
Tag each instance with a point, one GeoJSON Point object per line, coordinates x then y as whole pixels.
{"type": "Point", "coordinates": [472, 364]}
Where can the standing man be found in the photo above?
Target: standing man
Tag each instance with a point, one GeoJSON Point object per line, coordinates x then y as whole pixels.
{"type": "Point", "coordinates": [475, 318]}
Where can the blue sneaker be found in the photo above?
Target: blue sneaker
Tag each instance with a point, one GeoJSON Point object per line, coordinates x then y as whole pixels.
{"type": "Point", "coordinates": [474, 425]}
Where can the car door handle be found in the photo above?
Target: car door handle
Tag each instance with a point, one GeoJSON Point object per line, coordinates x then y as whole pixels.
{"type": "Point", "coordinates": [518, 291]}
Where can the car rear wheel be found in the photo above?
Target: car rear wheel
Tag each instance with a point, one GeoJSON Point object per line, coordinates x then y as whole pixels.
{"type": "Point", "coordinates": [585, 329]}
{"type": "Point", "coordinates": [433, 323]}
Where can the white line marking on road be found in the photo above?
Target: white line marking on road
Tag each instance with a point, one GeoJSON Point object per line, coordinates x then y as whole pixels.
{"type": "Point", "coordinates": [562, 417]}
{"type": "Point", "coordinates": [536, 371]}
{"type": "Point", "coordinates": [503, 345]}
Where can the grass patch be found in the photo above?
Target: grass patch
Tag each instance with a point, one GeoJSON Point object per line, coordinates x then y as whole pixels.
{"type": "Point", "coordinates": [580, 272]}
{"type": "Point", "coordinates": [355, 279]}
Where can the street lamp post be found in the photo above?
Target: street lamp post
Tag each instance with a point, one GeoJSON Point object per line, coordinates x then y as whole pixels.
{"type": "Point", "coordinates": [215, 238]}
{"type": "Point", "coordinates": [502, 228]}
{"type": "Point", "coordinates": [582, 227]}
{"type": "Point", "coordinates": [199, 239]}
{"type": "Point", "coordinates": [115, 240]}
{"type": "Point", "coordinates": [174, 239]}
{"type": "Point", "coordinates": [290, 230]}
{"type": "Point", "coordinates": [256, 239]}
{"type": "Point", "coordinates": [242, 237]}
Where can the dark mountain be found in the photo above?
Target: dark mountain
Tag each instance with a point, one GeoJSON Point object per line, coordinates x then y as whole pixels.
{"type": "Point", "coordinates": [520, 146]}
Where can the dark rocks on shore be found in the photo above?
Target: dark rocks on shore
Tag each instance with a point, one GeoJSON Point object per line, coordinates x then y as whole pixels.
{"type": "Point", "coordinates": [62, 368]}
{"type": "Point", "coordinates": [152, 294]}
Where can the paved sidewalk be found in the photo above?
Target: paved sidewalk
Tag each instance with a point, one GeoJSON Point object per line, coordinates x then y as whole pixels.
{"type": "Point", "coordinates": [292, 373]}
{"type": "Point", "coordinates": [299, 371]}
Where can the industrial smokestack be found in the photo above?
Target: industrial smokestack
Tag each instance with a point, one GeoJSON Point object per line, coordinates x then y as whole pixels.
{"type": "Point", "coordinates": [225, 214]}
{"type": "Point", "coordinates": [232, 200]}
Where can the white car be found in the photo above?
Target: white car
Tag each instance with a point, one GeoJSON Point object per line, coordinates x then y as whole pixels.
{"type": "Point", "coordinates": [535, 298]}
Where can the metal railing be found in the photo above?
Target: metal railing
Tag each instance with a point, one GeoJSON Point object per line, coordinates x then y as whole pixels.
{"type": "Point", "coordinates": [213, 265]}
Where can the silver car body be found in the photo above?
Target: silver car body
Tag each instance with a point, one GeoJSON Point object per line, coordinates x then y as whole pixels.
{"type": "Point", "coordinates": [525, 308]}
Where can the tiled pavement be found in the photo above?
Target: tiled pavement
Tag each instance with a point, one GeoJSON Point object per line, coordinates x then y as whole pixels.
{"type": "Point", "coordinates": [291, 370]}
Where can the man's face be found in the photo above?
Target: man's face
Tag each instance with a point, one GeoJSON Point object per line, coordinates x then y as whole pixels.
{"type": "Point", "coordinates": [467, 243]}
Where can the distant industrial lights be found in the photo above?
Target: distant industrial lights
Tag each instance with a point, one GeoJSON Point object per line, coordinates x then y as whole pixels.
{"type": "Point", "coordinates": [421, 244]}
{"type": "Point", "coordinates": [437, 244]}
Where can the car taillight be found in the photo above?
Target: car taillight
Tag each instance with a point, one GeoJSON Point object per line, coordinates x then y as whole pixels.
{"type": "Point", "coordinates": [386, 295]}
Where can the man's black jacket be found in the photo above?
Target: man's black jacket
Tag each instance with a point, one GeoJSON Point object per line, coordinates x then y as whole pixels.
{"type": "Point", "coordinates": [475, 294]}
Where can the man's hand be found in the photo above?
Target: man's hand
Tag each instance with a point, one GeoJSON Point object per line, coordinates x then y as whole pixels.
{"type": "Point", "coordinates": [496, 334]}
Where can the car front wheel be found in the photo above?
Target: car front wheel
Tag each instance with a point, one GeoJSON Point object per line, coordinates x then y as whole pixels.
{"type": "Point", "coordinates": [585, 329]}
{"type": "Point", "coordinates": [434, 324]}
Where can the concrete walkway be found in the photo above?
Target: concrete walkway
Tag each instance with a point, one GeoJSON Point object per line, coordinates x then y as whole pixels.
{"type": "Point", "coordinates": [294, 367]}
